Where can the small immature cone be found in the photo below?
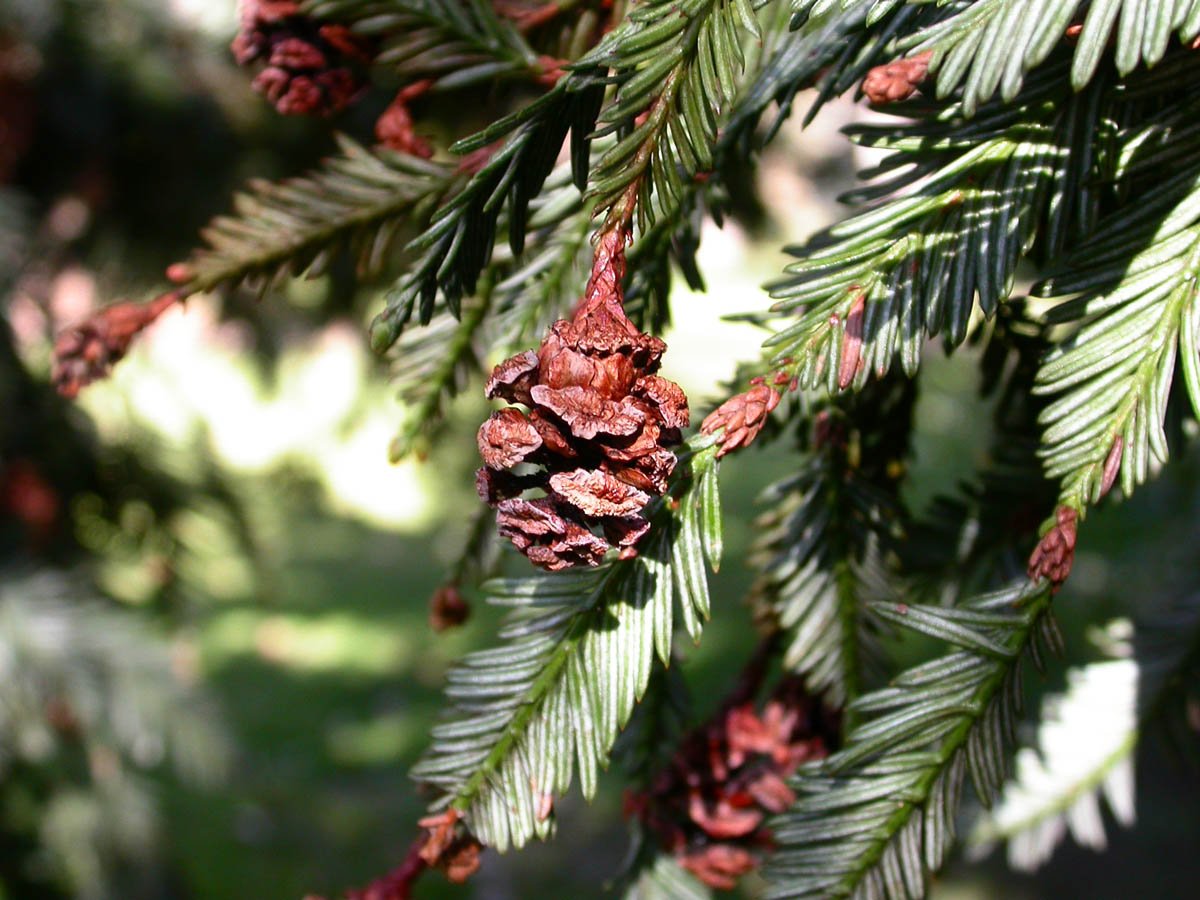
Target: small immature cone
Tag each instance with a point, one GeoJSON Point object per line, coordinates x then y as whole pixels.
{"type": "Point", "coordinates": [597, 435]}
{"type": "Point", "coordinates": [742, 417]}
{"type": "Point", "coordinates": [897, 80]}
{"type": "Point", "coordinates": [1054, 555]}
{"type": "Point", "coordinates": [448, 608]}
{"type": "Point", "coordinates": [447, 848]}
{"type": "Point", "coordinates": [87, 352]}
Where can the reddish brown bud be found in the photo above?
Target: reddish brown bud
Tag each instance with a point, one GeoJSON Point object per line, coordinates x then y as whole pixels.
{"type": "Point", "coordinates": [771, 792]}
{"type": "Point", "coordinates": [294, 53]}
{"type": "Point", "coordinates": [597, 494]}
{"type": "Point", "coordinates": [708, 807]}
{"type": "Point", "coordinates": [30, 499]}
{"type": "Point", "coordinates": [1054, 555]}
{"type": "Point", "coordinates": [345, 42]}
{"type": "Point", "coordinates": [395, 128]}
{"type": "Point", "coordinates": [722, 820]}
{"type": "Point", "coordinates": [552, 540]}
{"type": "Point", "coordinates": [447, 608]}
{"type": "Point", "coordinates": [87, 352]}
{"type": "Point", "coordinates": [742, 417]}
{"type": "Point", "coordinates": [851, 358]}
{"type": "Point", "coordinates": [179, 273]}
{"type": "Point", "coordinates": [1112, 465]}
{"type": "Point", "coordinates": [445, 847]}
{"type": "Point", "coordinates": [461, 861]}
{"type": "Point", "coordinates": [440, 833]}
{"type": "Point", "coordinates": [512, 379]}
{"type": "Point", "coordinates": [668, 398]}
{"type": "Point", "coordinates": [896, 80]}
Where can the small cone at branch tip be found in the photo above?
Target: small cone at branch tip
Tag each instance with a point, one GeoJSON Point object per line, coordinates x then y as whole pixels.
{"type": "Point", "coordinates": [742, 417]}
{"type": "Point", "coordinates": [1054, 555]}
{"type": "Point", "coordinates": [86, 352]}
{"type": "Point", "coordinates": [597, 433]}
{"type": "Point", "coordinates": [448, 608]}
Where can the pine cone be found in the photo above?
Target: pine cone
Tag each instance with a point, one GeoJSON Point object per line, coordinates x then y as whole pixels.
{"type": "Point", "coordinates": [709, 806]}
{"type": "Point", "coordinates": [596, 438]}
{"type": "Point", "coordinates": [310, 68]}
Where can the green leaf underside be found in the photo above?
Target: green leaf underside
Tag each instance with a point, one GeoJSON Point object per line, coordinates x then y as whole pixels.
{"type": "Point", "coordinates": [1089, 734]}
{"type": "Point", "coordinates": [578, 655]}
{"type": "Point", "coordinates": [970, 200]}
{"type": "Point", "coordinates": [1136, 317]}
{"type": "Point", "coordinates": [1085, 746]}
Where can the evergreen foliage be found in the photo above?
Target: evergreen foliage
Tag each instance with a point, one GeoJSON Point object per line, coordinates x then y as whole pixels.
{"type": "Point", "coordinates": [579, 652]}
{"type": "Point", "coordinates": [1036, 207]}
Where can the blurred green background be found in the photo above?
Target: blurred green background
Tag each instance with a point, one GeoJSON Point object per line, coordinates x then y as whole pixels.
{"type": "Point", "coordinates": [215, 659]}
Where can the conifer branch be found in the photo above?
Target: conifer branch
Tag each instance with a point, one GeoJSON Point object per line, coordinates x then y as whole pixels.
{"type": "Point", "coordinates": [1137, 316]}
{"type": "Point", "coordinates": [458, 42]}
{"type": "Point", "coordinates": [360, 199]}
{"type": "Point", "coordinates": [992, 45]}
{"type": "Point", "coordinates": [678, 68]}
{"type": "Point", "coordinates": [579, 654]}
{"type": "Point", "coordinates": [1088, 736]}
{"type": "Point", "coordinates": [821, 557]}
{"type": "Point", "coordinates": [878, 816]}
{"type": "Point", "coordinates": [507, 166]}
{"type": "Point", "coordinates": [966, 206]}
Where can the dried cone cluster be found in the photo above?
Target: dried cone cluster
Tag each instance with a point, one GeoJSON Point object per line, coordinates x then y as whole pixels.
{"type": "Point", "coordinates": [595, 439]}
{"type": "Point", "coordinates": [708, 806]}
{"type": "Point", "coordinates": [310, 68]}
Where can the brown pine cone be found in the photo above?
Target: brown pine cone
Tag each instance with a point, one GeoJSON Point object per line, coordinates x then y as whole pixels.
{"type": "Point", "coordinates": [596, 437]}
{"type": "Point", "coordinates": [309, 68]}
